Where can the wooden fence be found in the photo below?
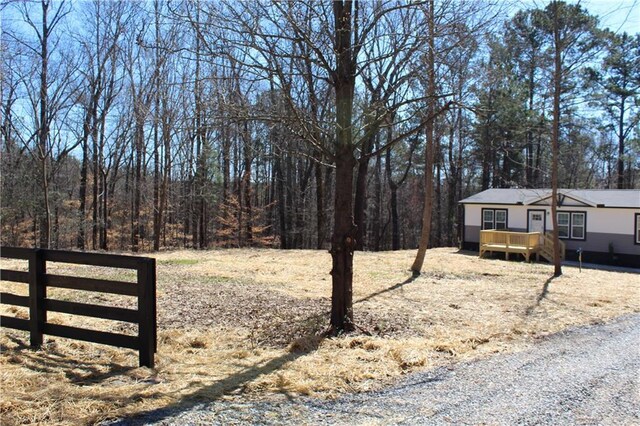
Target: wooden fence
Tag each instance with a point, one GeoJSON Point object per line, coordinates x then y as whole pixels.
{"type": "Point", "coordinates": [39, 304]}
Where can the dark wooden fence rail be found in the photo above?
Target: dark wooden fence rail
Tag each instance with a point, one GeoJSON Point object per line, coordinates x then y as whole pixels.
{"type": "Point", "coordinates": [38, 280]}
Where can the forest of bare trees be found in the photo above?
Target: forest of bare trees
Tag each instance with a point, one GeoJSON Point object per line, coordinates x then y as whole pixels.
{"type": "Point", "coordinates": [157, 124]}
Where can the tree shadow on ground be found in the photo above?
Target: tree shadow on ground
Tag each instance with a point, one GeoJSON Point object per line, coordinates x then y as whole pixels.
{"type": "Point", "coordinates": [228, 385]}
{"type": "Point", "coordinates": [193, 392]}
{"type": "Point", "coordinates": [49, 360]}
{"type": "Point", "coordinates": [397, 286]}
{"type": "Point", "coordinates": [543, 294]}
{"type": "Point", "coordinates": [198, 393]}
{"type": "Point", "coordinates": [470, 253]}
{"type": "Point", "coordinates": [235, 382]}
{"type": "Point", "coordinates": [313, 323]}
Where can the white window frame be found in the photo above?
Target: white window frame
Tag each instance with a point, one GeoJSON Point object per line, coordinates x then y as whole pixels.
{"type": "Point", "coordinates": [493, 221]}
{"type": "Point", "coordinates": [583, 226]}
{"type": "Point", "coordinates": [637, 216]}
{"type": "Point", "coordinates": [567, 225]}
{"type": "Point", "coordinates": [570, 226]}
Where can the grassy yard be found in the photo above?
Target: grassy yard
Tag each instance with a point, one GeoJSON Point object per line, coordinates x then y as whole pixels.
{"type": "Point", "coordinates": [250, 321]}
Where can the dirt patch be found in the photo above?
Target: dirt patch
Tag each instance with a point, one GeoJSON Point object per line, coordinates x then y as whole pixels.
{"type": "Point", "coordinates": [250, 321]}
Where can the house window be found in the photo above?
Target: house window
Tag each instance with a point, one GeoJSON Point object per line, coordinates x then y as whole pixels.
{"type": "Point", "coordinates": [577, 226]}
{"type": "Point", "coordinates": [563, 224]}
{"type": "Point", "coordinates": [637, 233]}
{"type": "Point", "coordinates": [572, 225]}
{"type": "Point", "coordinates": [494, 219]}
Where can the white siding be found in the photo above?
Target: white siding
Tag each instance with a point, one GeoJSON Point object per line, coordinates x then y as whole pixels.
{"type": "Point", "coordinates": [605, 227]}
{"type": "Point", "coordinates": [472, 214]}
{"type": "Point", "coordinates": [516, 215]}
{"type": "Point", "coordinates": [611, 221]}
{"type": "Point", "coordinates": [602, 220]}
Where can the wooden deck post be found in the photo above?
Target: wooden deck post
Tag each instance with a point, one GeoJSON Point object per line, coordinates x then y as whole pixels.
{"type": "Point", "coordinates": [507, 244]}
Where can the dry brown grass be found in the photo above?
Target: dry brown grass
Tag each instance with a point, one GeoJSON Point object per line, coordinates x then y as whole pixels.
{"type": "Point", "coordinates": [249, 321]}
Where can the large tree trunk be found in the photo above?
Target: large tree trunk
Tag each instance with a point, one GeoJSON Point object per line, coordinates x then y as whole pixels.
{"type": "Point", "coordinates": [343, 239]}
{"type": "Point", "coordinates": [343, 245]}
{"type": "Point", "coordinates": [555, 134]}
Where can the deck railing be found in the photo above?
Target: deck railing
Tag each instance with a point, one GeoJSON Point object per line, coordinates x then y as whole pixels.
{"type": "Point", "coordinates": [525, 243]}
{"type": "Point", "coordinates": [510, 239]}
{"type": "Point", "coordinates": [547, 247]}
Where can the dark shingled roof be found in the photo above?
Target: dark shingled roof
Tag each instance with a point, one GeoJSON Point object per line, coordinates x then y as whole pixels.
{"type": "Point", "coordinates": [629, 198]}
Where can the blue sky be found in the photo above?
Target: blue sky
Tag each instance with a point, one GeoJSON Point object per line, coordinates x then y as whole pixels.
{"type": "Point", "coordinates": [618, 15]}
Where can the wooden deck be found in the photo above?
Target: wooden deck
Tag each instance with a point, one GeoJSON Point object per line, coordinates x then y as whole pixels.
{"type": "Point", "coordinates": [524, 243]}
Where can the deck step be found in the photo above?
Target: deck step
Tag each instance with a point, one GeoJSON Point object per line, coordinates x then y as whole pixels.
{"type": "Point", "coordinates": [547, 255]}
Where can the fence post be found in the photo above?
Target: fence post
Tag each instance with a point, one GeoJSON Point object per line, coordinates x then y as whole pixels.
{"type": "Point", "coordinates": [37, 294]}
{"type": "Point", "coordinates": [147, 311]}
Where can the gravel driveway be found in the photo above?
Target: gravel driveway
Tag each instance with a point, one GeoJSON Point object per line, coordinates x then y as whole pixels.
{"type": "Point", "coordinates": [587, 375]}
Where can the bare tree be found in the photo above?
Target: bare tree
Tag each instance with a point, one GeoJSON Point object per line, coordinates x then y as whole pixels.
{"type": "Point", "coordinates": [337, 55]}
{"type": "Point", "coordinates": [139, 71]}
{"type": "Point", "coordinates": [430, 145]}
{"type": "Point", "coordinates": [451, 23]}
{"type": "Point", "coordinates": [50, 99]}
{"type": "Point", "coordinates": [99, 72]}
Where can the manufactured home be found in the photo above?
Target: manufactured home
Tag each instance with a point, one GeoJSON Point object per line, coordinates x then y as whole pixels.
{"type": "Point", "coordinates": [604, 225]}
